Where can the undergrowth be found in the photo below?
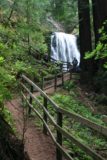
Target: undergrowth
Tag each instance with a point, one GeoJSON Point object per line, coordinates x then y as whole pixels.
{"type": "Point", "coordinates": [67, 99]}
{"type": "Point", "coordinates": [6, 114]}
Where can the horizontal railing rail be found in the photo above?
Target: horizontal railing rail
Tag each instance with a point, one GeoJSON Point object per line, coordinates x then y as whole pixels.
{"type": "Point", "coordinates": [62, 68]}
{"type": "Point", "coordinates": [61, 132]}
{"type": "Point", "coordinates": [55, 80]}
{"type": "Point", "coordinates": [60, 61]}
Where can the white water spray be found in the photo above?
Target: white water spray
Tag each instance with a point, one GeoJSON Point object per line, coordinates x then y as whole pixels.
{"type": "Point", "coordinates": [64, 48]}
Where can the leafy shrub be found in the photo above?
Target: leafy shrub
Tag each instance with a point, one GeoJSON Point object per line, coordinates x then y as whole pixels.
{"type": "Point", "coordinates": [69, 85]}
{"type": "Point", "coordinates": [100, 52]}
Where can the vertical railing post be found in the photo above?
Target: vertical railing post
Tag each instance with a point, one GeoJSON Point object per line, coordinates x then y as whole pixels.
{"type": "Point", "coordinates": [22, 90]}
{"type": "Point", "coordinates": [59, 136]}
{"type": "Point", "coordinates": [30, 101]}
{"type": "Point", "coordinates": [45, 116]}
{"type": "Point", "coordinates": [42, 83]}
{"type": "Point", "coordinates": [67, 66]}
{"type": "Point", "coordinates": [61, 67]}
{"type": "Point", "coordinates": [62, 78]}
{"type": "Point", "coordinates": [70, 74]}
{"type": "Point", "coordinates": [55, 86]}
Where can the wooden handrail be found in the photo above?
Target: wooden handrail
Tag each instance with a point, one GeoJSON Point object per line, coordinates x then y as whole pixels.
{"type": "Point", "coordinates": [58, 126]}
{"type": "Point", "coordinates": [100, 129]}
{"type": "Point", "coordinates": [49, 131]}
{"type": "Point", "coordinates": [67, 135]}
{"type": "Point", "coordinates": [61, 62]}
{"type": "Point", "coordinates": [39, 90]}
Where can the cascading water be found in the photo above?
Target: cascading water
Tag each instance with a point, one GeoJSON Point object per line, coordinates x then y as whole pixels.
{"type": "Point", "coordinates": [64, 49]}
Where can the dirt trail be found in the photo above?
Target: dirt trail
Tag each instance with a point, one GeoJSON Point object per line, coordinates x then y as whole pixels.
{"type": "Point", "coordinates": [37, 145]}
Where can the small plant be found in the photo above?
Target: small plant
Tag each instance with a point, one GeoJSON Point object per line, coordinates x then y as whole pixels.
{"type": "Point", "coordinates": [8, 117]}
{"type": "Point", "coordinates": [69, 85]}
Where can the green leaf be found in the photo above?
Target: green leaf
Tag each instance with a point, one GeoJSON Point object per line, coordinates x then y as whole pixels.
{"type": "Point", "coordinates": [1, 60]}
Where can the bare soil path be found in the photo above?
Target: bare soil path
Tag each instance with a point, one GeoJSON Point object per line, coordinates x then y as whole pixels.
{"type": "Point", "coordinates": [37, 145]}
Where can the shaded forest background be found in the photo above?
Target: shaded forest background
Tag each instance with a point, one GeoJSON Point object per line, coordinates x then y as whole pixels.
{"type": "Point", "coordinates": [25, 28]}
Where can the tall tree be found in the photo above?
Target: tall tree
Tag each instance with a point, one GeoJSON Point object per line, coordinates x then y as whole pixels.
{"type": "Point", "coordinates": [84, 31]}
{"type": "Point", "coordinates": [99, 15]}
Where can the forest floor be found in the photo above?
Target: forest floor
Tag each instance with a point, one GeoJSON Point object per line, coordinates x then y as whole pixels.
{"type": "Point", "coordinates": [90, 98]}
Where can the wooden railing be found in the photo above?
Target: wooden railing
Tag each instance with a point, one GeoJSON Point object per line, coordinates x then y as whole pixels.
{"type": "Point", "coordinates": [55, 80]}
{"type": "Point", "coordinates": [59, 74]}
{"type": "Point", "coordinates": [63, 72]}
{"type": "Point", "coordinates": [58, 123]}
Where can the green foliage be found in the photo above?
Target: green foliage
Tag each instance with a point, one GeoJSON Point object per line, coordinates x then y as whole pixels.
{"type": "Point", "coordinates": [6, 82]}
{"type": "Point", "coordinates": [8, 117]}
{"type": "Point", "coordinates": [25, 22]}
{"type": "Point", "coordinates": [66, 12]}
{"type": "Point", "coordinates": [22, 28]}
{"type": "Point", "coordinates": [69, 103]}
{"type": "Point", "coordinates": [100, 52]}
{"type": "Point", "coordinates": [69, 85]}
{"type": "Point", "coordinates": [79, 131]}
{"type": "Point", "coordinates": [1, 60]}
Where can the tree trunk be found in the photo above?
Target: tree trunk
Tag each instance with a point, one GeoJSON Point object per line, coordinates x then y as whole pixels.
{"type": "Point", "coordinates": [84, 31]}
{"type": "Point", "coordinates": [99, 16]}
{"type": "Point", "coordinates": [85, 40]}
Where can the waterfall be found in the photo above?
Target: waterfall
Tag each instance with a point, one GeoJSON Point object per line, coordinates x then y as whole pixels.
{"type": "Point", "coordinates": [64, 49]}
